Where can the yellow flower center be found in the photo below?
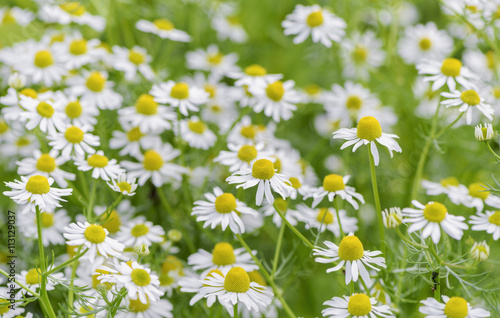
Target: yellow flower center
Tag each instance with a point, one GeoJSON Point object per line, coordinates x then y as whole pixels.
{"type": "Point", "coordinates": [255, 70]}
{"type": "Point", "coordinates": [257, 277]}
{"type": "Point", "coordinates": [263, 169]}
{"type": "Point", "coordinates": [22, 142]}
{"type": "Point", "coordinates": [32, 277]}
{"type": "Point", "coordinates": [295, 183]}
{"type": "Point", "coordinates": [134, 134]}
{"type": "Point", "coordinates": [124, 186]}
{"type": "Point", "coordinates": [45, 110]}
{"type": "Point", "coordinates": [325, 216]}
{"type": "Point", "coordinates": [4, 306]}
{"type": "Point", "coordinates": [359, 305]}
{"type": "Point", "coordinates": [180, 91]}
{"type": "Point", "coordinates": [38, 185]}
{"type": "Point", "coordinates": [166, 279]}
{"type": "Point", "coordinates": [281, 204]}
{"type": "Point", "coordinates": [46, 163]}
{"type": "Point", "coordinates": [247, 153]}
{"type": "Point", "coordinates": [140, 230]}
{"type": "Point", "coordinates": [78, 47]}
{"type": "Point", "coordinates": [95, 82]}
{"type": "Point", "coordinates": [96, 281]}
{"type": "Point", "coordinates": [211, 90]}
{"type": "Point", "coordinates": [210, 274]}
{"type": "Point", "coordinates": [74, 135]}
{"type": "Point", "coordinates": [223, 254]}
{"type": "Point", "coordinates": [237, 280]}
{"type": "Point", "coordinates": [71, 250]}
{"type": "Point", "coordinates": [354, 103]}
{"type": "Point", "coordinates": [315, 19]}
{"type": "Point", "coordinates": [47, 219]}
{"type": "Point", "coordinates": [277, 164]}
{"type": "Point", "coordinates": [359, 54]}
{"type": "Point", "coordinates": [435, 212]}
{"type": "Point", "coordinates": [477, 190]}
{"type": "Point", "coordinates": [225, 203]}
{"type": "Point", "coordinates": [312, 89]}
{"type": "Point", "coordinates": [140, 277]}
{"type": "Point", "coordinates": [73, 109]}
{"type": "Point", "coordinates": [152, 160]}
{"type": "Point", "coordinates": [369, 128]}
{"type": "Point", "coordinates": [233, 20]}
{"type": "Point", "coordinates": [163, 24]}
{"type": "Point", "coordinates": [113, 222]}
{"type": "Point", "coordinates": [197, 126]}
{"type": "Point", "coordinates": [215, 108]}
{"type": "Point", "coordinates": [451, 67]}
{"type": "Point", "coordinates": [333, 182]}
{"type": "Point", "coordinates": [351, 248]}
{"type": "Point", "coordinates": [456, 307]}
{"type": "Point", "coordinates": [425, 44]}
{"type": "Point", "coordinates": [490, 59]}
{"type": "Point", "coordinates": [275, 91]}
{"type": "Point", "coordinates": [248, 132]}
{"type": "Point", "coordinates": [146, 105]}
{"type": "Point", "coordinates": [215, 59]}
{"type": "Point", "coordinates": [57, 38]}
{"type": "Point", "coordinates": [29, 92]}
{"type": "Point", "coordinates": [74, 8]}
{"type": "Point", "coordinates": [43, 59]}
{"type": "Point", "coordinates": [470, 97]}
{"type": "Point", "coordinates": [450, 181]}
{"type": "Point", "coordinates": [7, 19]}
{"type": "Point", "coordinates": [98, 161]}
{"type": "Point", "coordinates": [495, 218]}
{"type": "Point", "coordinates": [171, 263]}
{"type": "Point", "coordinates": [3, 127]}
{"type": "Point", "coordinates": [95, 234]}
{"type": "Point", "coordinates": [136, 57]}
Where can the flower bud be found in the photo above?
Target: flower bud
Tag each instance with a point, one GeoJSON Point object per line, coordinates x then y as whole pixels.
{"type": "Point", "coordinates": [392, 217]}
{"type": "Point", "coordinates": [17, 81]}
{"type": "Point", "coordinates": [484, 133]}
{"type": "Point", "coordinates": [174, 235]}
{"type": "Point", "coordinates": [141, 249]}
{"type": "Point", "coordinates": [480, 251]}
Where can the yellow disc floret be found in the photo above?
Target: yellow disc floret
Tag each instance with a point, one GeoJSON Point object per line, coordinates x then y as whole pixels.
{"type": "Point", "coordinates": [152, 160]}
{"type": "Point", "coordinates": [451, 67]}
{"type": "Point", "coordinates": [325, 216]}
{"type": "Point", "coordinates": [32, 277]}
{"type": "Point", "coordinates": [124, 186]}
{"type": "Point", "coordinates": [73, 7]}
{"type": "Point", "coordinates": [237, 280]}
{"type": "Point", "coordinates": [223, 254]}
{"type": "Point", "coordinates": [215, 59]}
{"type": "Point", "coordinates": [47, 219]}
{"type": "Point", "coordinates": [134, 134]}
{"type": "Point", "coordinates": [450, 181]}
{"type": "Point", "coordinates": [146, 105]}
{"type": "Point", "coordinates": [360, 54]}
{"type": "Point", "coordinates": [139, 230]}
{"type": "Point", "coordinates": [248, 132]}
{"type": "Point", "coordinates": [281, 204]}
{"type": "Point", "coordinates": [98, 161]}
{"type": "Point", "coordinates": [247, 153]}
{"type": "Point", "coordinates": [225, 203]}
{"type": "Point", "coordinates": [180, 91]}
{"type": "Point", "coordinates": [95, 234]}
{"type": "Point", "coordinates": [353, 103]}
{"type": "Point", "coordinates": [95, 82]}
{"type": "Point", "coordinates": [78, 47]}
{"type": "Point", "coordinates": [435, 212]}
{"type": "Point", "coordinates": [456, 307]}
{"type": "Point", "coordinates": [263, 169]}
{"type": "Point", "coordinates": [425, 44]}
{"type": "Point", "coordinates": [255, 70]}
{"type": "Point", "coordinates": [351, 248]}
{"type": "Point", "coordinates": [315, 19]}
{"type": "Point", "coordinates": [478, 190]}
{"type": "Point", "coordinates": [43, 59]}
{"type": "Point", "coordinates": [275, 91]}
{"type": "Point", "coordinates": [164, 24]}
{"type": "Point", "coordinates": [295, 183]}
{"type": "Point", "coordinates": [495, 218]}
{"type": "Point", "coordinates": [140, 277]}
{"type": "Point", "coordinates": [470, 97]}
{"type": "Point", "coordinates": [44, 109]}
{"type": "Point", "coordinates": [38, 185]}
{"type": "Point", "coordinates": [30, 92]}
{"type": "Point", "coordinates": [113, 222]}
{"type": "Point", "coordinates": [46, 163]}
{"type": "Point", "coordinates": [197, 126]}
{"type": "Point", "coordinates": [359, 305]}
{"type": "Point", "coordinates": [137, 306]}
{"type": "Point", "coordinates": [369, 128]}
{"type": "Point", "coordinates": [74, 135]}
{"type": "Point", "coordinates": [73, 109]}
{"type": "Point", "coordinates": [136, 57]}
{"type": "Point", "coordinates": [333, 182]}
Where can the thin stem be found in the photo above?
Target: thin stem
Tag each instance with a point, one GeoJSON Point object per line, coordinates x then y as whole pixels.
{"type": "Point", "coordinates": [443, 130]}
{"type": "Point", "coordinates": [407, 240]}
{"type": "Point", "coordinates": [20, 284]}
{"type": "Point", "coordinates": [352, 287]}
{"type": "Point", "coordinates": [294, 230]}
{"type": "Point", "coordinates": [235, 315]}
{"type": "Point", "coordinates": [66, 263]}
{"type": "Point", "coordinates": [377, 202]}
{"type": "Point", "coordinates": [71, 284]}
{"type": "Point", "coordinates": [437, 290]}
{"type": "Point", "coordinates": [278, 249]}
{"type": "Point", "coordinates": [337, 208]}
{"type": "Point", "coordinates": [90, 205]}
{"type": "Point", "coordinates": [497, 157]}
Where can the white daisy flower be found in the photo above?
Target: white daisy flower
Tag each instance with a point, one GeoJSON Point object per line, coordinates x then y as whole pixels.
{"type": "Point", "coordinates": [356, 305]}
{"type": "Point", "coordinates": [31, 278]}
{"type": "Point", "coordinates": [179, 95]}
{"type": "Point", "coordinates": [326, 219]}
{"type": "Point", "coordinates": [367, 132]}
{"type": "Point", "coordinates": [333, 185]}
{"type": "Point", "coordinates": [484, 133]}
{"type": "Point", "coordinates": [480, 251]}
{"type": "Point", "coordinates": [76, 113]}
{"type": "Point", "coordinates": [392, 217]}
{"type": "Point", "coordinates": [322, 25]}
{"type": "Point", "coordinates": [351, 253]}
{"type": "Point", "coordinates": [74, 141]}
{"type": "Point", "coordinates": [263, 174]}
{"type": "Point", "coordinates": [11, 100]}
{"type": "Point", "coordinates": [468, 100]}
{"type": "Point", "coordinates": [247, 133]}
{"type": "Point", "coordinates": [16, 15]}
{"type": "Point", "coordinates": [140, 232]}
{"type": "Point", "coordinates": [100, 165]}
{"type": "Point", "coordinates": [450, 72]}
{"type": "Point", "coordinates": [196, 133]}
{"type": "Point", "coordinates": [223, 257]}
{"type": "Point", "coordinates": [164, 29]}
{"type": "Point", "coordinates": [235, 287]}
{"type": "Point", "coordinates": [47, 165]}
{"type": "Point", "coordinates": [95, 90]}
{"type": "Point", "coordinates": [482, 63]}
{"type": "Point", "coordinates": [42, 114]}
{"type": "Point", "coordinates": [313, 94]}
{"type": "Point", "coordinates": [212, 60]}
{"type": "Point", "coordinates": [474, 196]}
{"type": "Point", "coordinates": [422, 42]}
{"type": "Point", "coordinates": [222, 208]}
{"type": "Point", "coordinates": [36, 191]}
{"type": "Point", "coordinates": [5, 299]}
{"type": "Point", "coordinates": [136, 309]}
{"type": "Point", "coordinates": [75, 51]}
{"type": "Point", "coordinates": [193, 284]}
{"type": "Point", "coordinates": [276, 99]}
{"type": "Point", "coordinates": [241, 156]}
{"type": "Point", "coordinates": [154, 164]}
{"type": "Point", "coordinates": [133, 61]}
{"type": "Point", "coordinates": [441, 187]}
{"type": "Point", "coordinates": [132, 140]}
{"type": "Point", "coordinates": [454, 307]}
{"type": "Point", "coordinates": [140, 282]}
{"type": "Point", "coordinates": [362, 53]}
{"type": "Point", "coordinates": [227, 24]}
{"type": "Point", "coordinates": [124, 184]}
{"type": "Point", "coordinates": [53, 224]}
{"type": "Point", "coordinates": [254, 75]}
{"type": "Point", "coordinates": [431, 218]}
{"type": "Point", "coordinates": [95, 238]}
{"type": "Point", "coordinates": [68, 12]}
{"type": "Point", "coordinates": [22, 146]}
{"type": "Point", "coordinates": [326, 124]}
{"type": "Point", "coordinates": [488, 221]}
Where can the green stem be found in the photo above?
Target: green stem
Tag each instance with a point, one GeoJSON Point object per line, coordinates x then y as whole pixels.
{"type": "Point", "coordinates": [44, 297]}
{"type": "Point", "coordinates": [337, 208]}
{"type": "Point", "coordinates": [294, 230]}
{"type": "Point", "coordinates": [407, 240]}
{"type": "Point", "coordinates": [235, 315]}
{"type": "Point", "coordinates": [90, 205]}
{"type": "Point", "coordinates": [66, 263]}
{"type": "Point", "coordinates": [437, 290]}
{"type": "Point", "coordinates": [352, 287]}
{"type": "Point", "coordinates": [20, 284]}
{"type": "Point", "coordinates": [497, 157]}
{"type": "Point", "coordinates": [278, 249]}
{"type": "Point", "coordinates": [443, 130]}
{"type": "Point", "coordinates": [377, 202]}
{"type": "Point", "coordinates": [71, 284]}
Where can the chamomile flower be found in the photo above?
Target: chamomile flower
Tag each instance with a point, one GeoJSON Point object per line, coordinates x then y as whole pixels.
{"type": "Point", "coordinates": [422, 42]}
{"type": "Point", "coordinates": [488, 221]}
{"type": "Point", "coordinates": [36, 191]}
{"type": "Point", "coordinates": [362, 53]}
{"type": "Point", "coordinates": [484, 133]}
{"type": "Point", "coordinates": [95, 238]}
{"type": "Point", "coordinates": [223, 257]}
{"type": "Point", "coordinates": [322, 25]}
{"type": "Point", "coordinates": [95, 90]}
{"type": "Point", "coordinates": [442, 187]}
{"type": "Point", "coordinates": [235, 287]}
{"type": "Point", "coordinates": [241, 156]}
{"type": "Point", "coordinates": [222, 208]}
{"type": "Point", "coordinates": [12, 109]}
{"type": "Point", "coordinates": [76, 113]}
{"type": "Point", "coordinates": [42, 114]}
{"type": "Point", "coordinates": [263, 174]}
{"type": "Point", "coordinates": [132, 140]}
{"type": "Point", "coordinates": [468, 100]}
{"type": "Point", "coordinates": [480, 251]}
{"type": "Point", "coordinates": [154, 164]}
{"type": "Point", "coordinates": [333, 185]}
{"type": "Point", "coordinates": [351, 253]}
{"type": "Point", "coordinates": [475, 195]}
{"type": "Point", "coordinates": [140, 282]}
{"type": "Point", "coordinates": [133, 61]}
{"type": "Point", "coordinates": [483, 63]}
{"type": "Point", "coordinates": [32, 279]}
{"type": "Point", "coordinates": [454, 307]}
{"type": "Point", "coordinates": [196, 133]}
{"type": "Point", "coordinates": [179, 95]}
{"type": "Point", "coordinates": [212, 60]}
{"type": "Point", "coordinates": [356, 305]}
{"type": "Point", "coordinates": [140, 232]}
{"type": "Point", "coordinates": [124, 184]}
{"type": "Point", "coordinates": [227, 24]}
{"type": "Point", "coordinates": [254, 75]}
{"type": "Point", "coordinates": [392, 217]}
{"type": "Point", "coordinates": [74, 141]}
{"type": "Point", "coordinates": [164, 29]}
{"type": "Point", "coordinates": [431, 218]}
{"type": "Point", "coordinates": [53, 224]}
{"type": "Point", "coordinates": [276, 99]}
{"type": "Point", "coordinates": [102, 167]}
{"type": "Point", "coordinates": [247, 133]}
{"type": "Point", "coordinates": [16, 15]}
{"type": "Point", "coordinates": [136, 309]}
{"type": "Point", "coordinates": [71, 12]}
{"type": "Point", "coordinates": [326, 219]}
{"type": "Point", "coordinates": [76, 51]}
{"type": "Point", "coordinates": [450, 72]}
{"type": "Point", "coordinates": [148, 115]}
{"type": "Point", "coordinates": [192, 283]}
{"type": "Point", "coordinates": [47, 165]}
{"type": "Point", "coordinates": [367, 132]}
